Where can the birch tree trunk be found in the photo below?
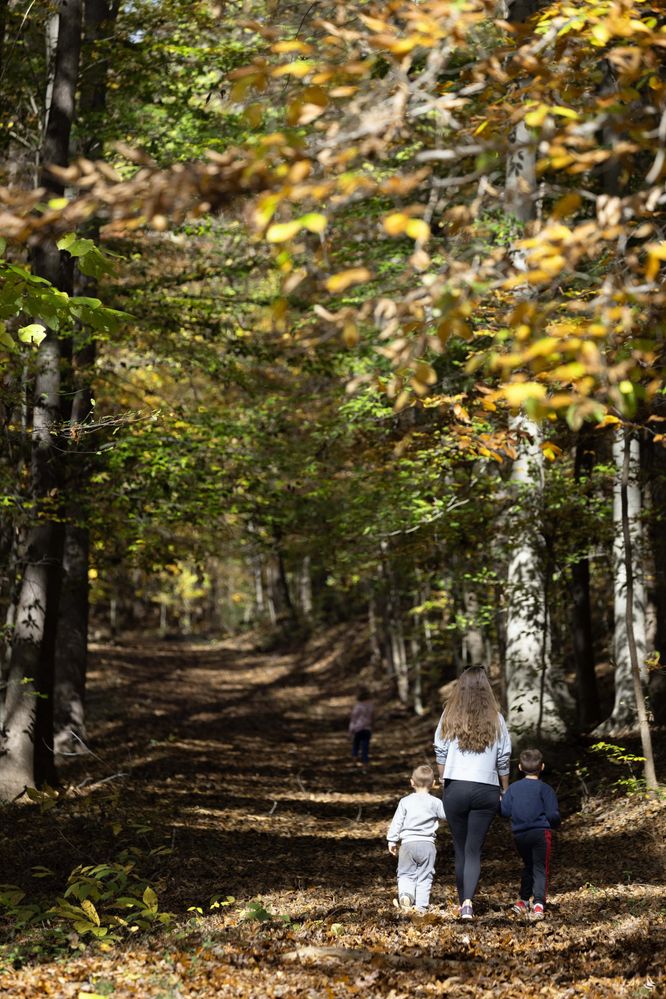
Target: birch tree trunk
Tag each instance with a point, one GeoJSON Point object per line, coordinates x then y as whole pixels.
{"type": "Point", "coordinates": [305, 588]}
{"type": "Point", "coordinates": [658, 543]}
{"type": "Point", "coordinates": [581, 614]}
{"type": "Point", "coordinates": [629, 621]}
{"type": "Point", "coordinates": [28, 708]}
{"type": "Point", "coordinates": [629, 611]}
{"type": "Point", "coordinates": [534, 693]}
{"type": "Point", "coordinates": [417, 681]}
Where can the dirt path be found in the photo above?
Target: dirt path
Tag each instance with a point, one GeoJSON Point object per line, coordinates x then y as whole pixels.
{"type": "Point", "coordinates": [236, 762]}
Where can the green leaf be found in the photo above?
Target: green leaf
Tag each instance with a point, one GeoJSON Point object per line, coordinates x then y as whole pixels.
{"type": "Point", "coordinates": [66, 241]}
{"type": "Point", "coordinates": [39, 871]}
{"type": "Point", "coordinates": [6, 340]}
{"type": "Point", "coordinates": [34, 333]}
{"type": "Point", "coordinates": [90, 911]}
{"type": "Point", "coordinates": [150, 898]}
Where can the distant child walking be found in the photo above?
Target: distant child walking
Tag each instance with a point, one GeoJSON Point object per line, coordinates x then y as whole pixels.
{"type": "Point", "coordinates": [533, 809]}
{"type": "Point", "coordinates": [360, 725]}
{"type": "Point", "coordinates": [414, 827]}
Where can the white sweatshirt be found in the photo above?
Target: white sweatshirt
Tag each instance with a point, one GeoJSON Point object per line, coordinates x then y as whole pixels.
{"type": "Point", "coordinates": [416, 818]}
{"type": "Point", "coordinates": [482, 768]}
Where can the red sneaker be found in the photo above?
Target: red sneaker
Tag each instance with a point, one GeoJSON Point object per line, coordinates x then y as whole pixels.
{"type": "Point", "coordinates": [537, 911]}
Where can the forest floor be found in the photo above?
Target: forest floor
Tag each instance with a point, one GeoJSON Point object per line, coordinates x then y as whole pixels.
{"type": "Point", "coordinates": [222, 771]}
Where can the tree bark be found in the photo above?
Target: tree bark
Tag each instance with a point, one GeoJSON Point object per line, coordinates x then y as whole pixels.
{"type": "Point", "coordinates": [394, 630]}
{"type": "Point", "coordinates": [629, 627]}
{"type": "Point", "coordinates": [629, 611]}
{"type": "Point", "coordinates": [28, 727]}
{"type": "Point", "coordinates": [305, 588]}
{"type": "Point", "coordinates": [70, 660]}
{"type": "Point", "coordinates": [60, 109]}
{"type": "Point", "coordinates": [4, 4]}
{"type": "Point", "coordinates": [72, 644]}
{"type": "Point", "coordinates": [581, 616]}
{"type": "Point", "coordinates": [658, 543]}
{"type": "Point", "coordinates": [535, 693]}
{"type": "Point", "coordinates": [373, 631]}
{"type": "Point", "coordinates": [474, 644]}
{"type": "Point", "coordinates": [99, 17]}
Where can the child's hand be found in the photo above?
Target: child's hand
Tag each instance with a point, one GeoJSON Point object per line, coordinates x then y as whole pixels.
{"type": "Point", "coordinates": [393, 849]}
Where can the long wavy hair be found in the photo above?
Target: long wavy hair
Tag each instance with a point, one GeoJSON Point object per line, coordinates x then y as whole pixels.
{"type": "Point", "coordinates": [472, 714]}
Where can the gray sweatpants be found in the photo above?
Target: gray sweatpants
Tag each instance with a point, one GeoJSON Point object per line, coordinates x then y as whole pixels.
{"type": "Point", "coordinates": [416, 867]}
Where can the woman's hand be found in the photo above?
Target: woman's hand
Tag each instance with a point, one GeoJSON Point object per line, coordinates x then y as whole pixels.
{"type": "Point", "coordinates": [393, 849]}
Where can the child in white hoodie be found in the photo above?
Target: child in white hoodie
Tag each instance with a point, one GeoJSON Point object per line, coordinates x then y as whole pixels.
{"type": "Point", "coordinates": [414, 827]}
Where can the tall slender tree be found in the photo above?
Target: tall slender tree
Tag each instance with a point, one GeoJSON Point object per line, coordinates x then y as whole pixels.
{"type": "Point", "coordinates": [629, 628]}
{"type": "Point", "coordinates": [28, 704]}
{"type": "Point", "coordinates": [534, 694]}
{"type": "Point", "coordinates": [71, 646]}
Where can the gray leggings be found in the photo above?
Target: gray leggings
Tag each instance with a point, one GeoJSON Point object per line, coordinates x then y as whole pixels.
{"type": "Point", "coordinates": [470, 808]}
{"type": "Point", "coordinates": [416, 867]}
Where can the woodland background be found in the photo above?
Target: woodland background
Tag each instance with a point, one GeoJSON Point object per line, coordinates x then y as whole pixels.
{"type": "Point", "coordinates": [317, 321]}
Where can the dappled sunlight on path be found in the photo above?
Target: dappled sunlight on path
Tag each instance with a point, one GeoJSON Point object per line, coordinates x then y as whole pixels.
{"type": "Point", "coordinates": [236, 762]}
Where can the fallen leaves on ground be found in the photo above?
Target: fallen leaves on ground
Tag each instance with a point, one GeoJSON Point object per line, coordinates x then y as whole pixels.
{"type": "Point", "coordinates": [229, 770]}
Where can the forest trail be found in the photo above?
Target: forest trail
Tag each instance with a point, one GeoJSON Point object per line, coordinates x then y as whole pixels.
{"type": "Point", "coordinates": [237, 762]}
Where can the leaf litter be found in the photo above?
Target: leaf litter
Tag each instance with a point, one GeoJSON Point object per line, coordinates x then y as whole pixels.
{"type": "Point", "coordinates": [224, 772]}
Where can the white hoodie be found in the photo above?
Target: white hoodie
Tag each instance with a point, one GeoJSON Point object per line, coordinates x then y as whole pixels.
{"type": "Point", "coordinates": [482, 768]}
{"type": "Point", "coordinates": [416, 818]}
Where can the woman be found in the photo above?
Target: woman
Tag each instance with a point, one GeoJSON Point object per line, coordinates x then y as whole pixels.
{"type": "Point", "coordinates": [473, 752]}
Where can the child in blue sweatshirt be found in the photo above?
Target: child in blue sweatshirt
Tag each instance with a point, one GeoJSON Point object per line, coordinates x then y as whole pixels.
{"type": "Point", "coordinates": [533, 809]}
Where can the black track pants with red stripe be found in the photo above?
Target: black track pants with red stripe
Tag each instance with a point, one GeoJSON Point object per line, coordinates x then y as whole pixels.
{"type": "Point", "coordinates": [534, 846]}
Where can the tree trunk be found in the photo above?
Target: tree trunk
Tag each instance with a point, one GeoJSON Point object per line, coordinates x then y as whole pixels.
{"type": "Point", "coordinates": [658, 543]}
{"type": "Point", "coordinates": [17, 763]}
{"type": "Point", "coordinates": [394, 630]}
{"type": "Point", "coordinates": [399, 657]}
{"type": "Point", "coordinates": [305, 589]}
{"type": "Point", "coordinates": [581, 616]}
{"type": "Point", "coordinates": [629, 611]}
{"type": "Point", "coordinates": [521, 175]}
{"type": "Point", "coordinates": [99, 17]}
{"type": "Point", "coordinates": [629, 627]}
{"type": "Point", "coordinates": [281, 600]}
{"type": "Point", "coordinates": [534, 693]}
{"type": "Point", "coordinates": [417, 684]}
{"type": "Point", "coordinates": [72, 644]}
{"type": "Point", "coordinates": [373, 631]}
{"type": "Point", "coordinates": [28, 732]}
{"type": "Point", "coordinates": [60, 106]}
{"type": "Point", "coordinates": [70, 661]}
{"type": "Point", "coordinates": [4, 5]}
{"type": "Point", "coordinates": [163, 625]}
{"type": "Point", "coordinates": [26, 680]}
{"type": "Point", "coordinates": [257, 576]}
{"type": "Point", "coordinates": [113, 618]}
{"type": "Point", "coordinates": [474, 644]}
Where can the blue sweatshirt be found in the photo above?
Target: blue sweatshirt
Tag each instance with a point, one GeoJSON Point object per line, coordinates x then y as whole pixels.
{"type": "Point", "coordinates": [530, 804]}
